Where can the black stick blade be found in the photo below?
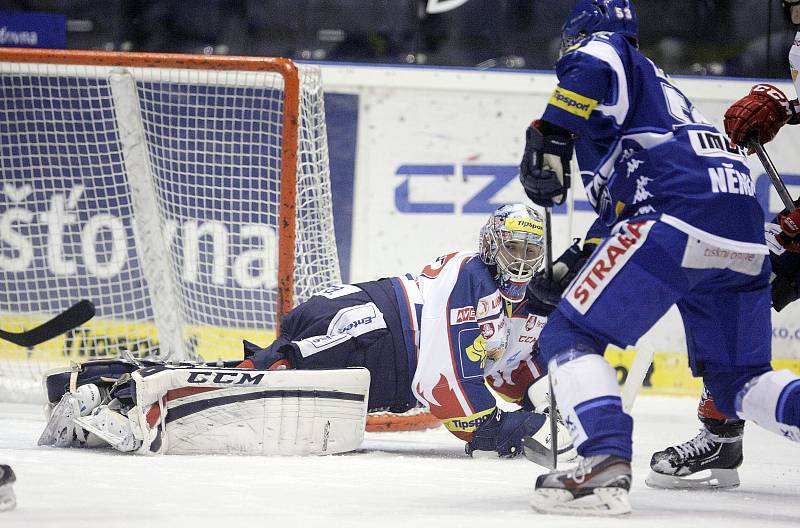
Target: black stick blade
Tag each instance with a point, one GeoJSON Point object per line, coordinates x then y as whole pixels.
{"type": "Point", "coordinates": [537, 453]}
{"type": "Point", "coordinates": [73, 317]}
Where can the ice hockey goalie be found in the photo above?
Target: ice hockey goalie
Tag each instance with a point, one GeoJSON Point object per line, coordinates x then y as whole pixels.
{"type": "Point", "coordinates": [147, 407]}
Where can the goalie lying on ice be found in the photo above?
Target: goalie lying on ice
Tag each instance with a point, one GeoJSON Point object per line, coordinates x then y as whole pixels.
{"type": "Point", "coordinates": [435, 340]}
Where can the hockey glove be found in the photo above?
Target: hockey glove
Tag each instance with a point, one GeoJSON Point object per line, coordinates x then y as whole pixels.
{"type": "Point", "coordinates": [784, 291]}
{"type": "Point", "coordinates": [545, 168]}
{"type": "Point", "coordinates": [760, 113]}
{"type": "Point", "coordinates": [503, 432]}
{"type": "Point", "coordinates": [789, 235]}
{"type": "Point", "coordinates": [544, 292]}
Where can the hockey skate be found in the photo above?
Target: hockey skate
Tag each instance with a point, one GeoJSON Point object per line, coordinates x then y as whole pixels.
{"type": "Point", "coordinates": [111, 426]}
{"type": "Point", "coordinates": [709, 460]}
{"type": "Point", "coordinates": [599, 485]}
{"type": "Point", "coordinates": [7, 478]}
{"type": "Point", "coordinates": [60, 430]}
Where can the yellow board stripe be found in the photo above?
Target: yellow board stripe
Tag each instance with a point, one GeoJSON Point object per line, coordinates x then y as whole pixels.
{"type": "Point", "coordinates": [671, 374]}
{"type": "Point", "coordinates": [572, 102]}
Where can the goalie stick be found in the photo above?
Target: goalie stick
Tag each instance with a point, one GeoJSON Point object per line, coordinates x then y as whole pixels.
{"type": "Point", "coordinates": [532, 449]}
{"type": "Point", "coordinates": [73, 317]}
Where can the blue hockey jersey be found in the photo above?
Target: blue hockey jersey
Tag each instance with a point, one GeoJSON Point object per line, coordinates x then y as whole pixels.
{"type": "Point", "coordinates": [645, 152]}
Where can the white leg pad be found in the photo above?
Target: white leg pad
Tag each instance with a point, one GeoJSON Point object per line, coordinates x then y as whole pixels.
{"type": "Point", "coordinates": [582, 379]}
{"type": "Point", "coordinates": [759, 400]}
{"type": "Point", "coordinates": [539, 395]}
{"type": "Point", "coordinates": [250, 412]}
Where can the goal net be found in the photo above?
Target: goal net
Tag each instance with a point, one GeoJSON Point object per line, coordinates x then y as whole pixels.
{"type": "Point", "coordinates": [188, 197]}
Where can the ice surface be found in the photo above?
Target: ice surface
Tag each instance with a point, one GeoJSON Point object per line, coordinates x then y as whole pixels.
{"type": "Point", "coordinates": [407, 480]}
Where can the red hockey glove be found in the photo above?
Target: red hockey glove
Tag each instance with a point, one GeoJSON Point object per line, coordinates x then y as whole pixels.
{"type": "Point", "coordinates": [790, 227]}
{"type": "Point", "coordinates": [763, 111]}
{"type": "Point", "coordinates": [790, 222]}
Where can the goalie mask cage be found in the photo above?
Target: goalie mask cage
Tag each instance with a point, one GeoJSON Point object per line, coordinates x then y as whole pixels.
{"type": "Point", "coordinates": [188, 197]}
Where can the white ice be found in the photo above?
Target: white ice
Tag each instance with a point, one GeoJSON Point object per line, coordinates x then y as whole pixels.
{"type": "Point", "coordinates": [406, 480]}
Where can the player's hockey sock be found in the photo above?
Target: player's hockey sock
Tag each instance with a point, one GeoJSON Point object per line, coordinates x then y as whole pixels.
{"type": "Point", "coordinates": [772, 400]}
{"type": "Point", "coordinates": [588, 397]}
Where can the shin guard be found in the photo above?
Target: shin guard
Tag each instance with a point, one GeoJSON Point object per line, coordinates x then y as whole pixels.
{"type": "Point", "coordinates": [588, 397]}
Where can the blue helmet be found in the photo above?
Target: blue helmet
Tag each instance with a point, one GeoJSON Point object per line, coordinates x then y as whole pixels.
{"type": "Point", "coordinates": [592, 16]}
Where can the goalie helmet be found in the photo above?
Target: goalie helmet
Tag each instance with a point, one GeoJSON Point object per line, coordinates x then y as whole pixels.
{"type": "Point", "coordinates": [512, 240]}
{"type": "Point", "coordinates": [593, 16]}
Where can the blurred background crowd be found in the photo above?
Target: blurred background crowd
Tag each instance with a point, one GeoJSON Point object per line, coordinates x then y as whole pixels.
{"type": "Point", "coordinates": [702, 37]}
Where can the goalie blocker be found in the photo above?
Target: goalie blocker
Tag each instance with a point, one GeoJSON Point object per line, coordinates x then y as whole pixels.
{"type": "Point", "coordinates": [208, 410]}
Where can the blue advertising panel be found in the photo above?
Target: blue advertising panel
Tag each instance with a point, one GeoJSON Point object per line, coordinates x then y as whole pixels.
{"type": "Point", "coordinates": [33, 30]}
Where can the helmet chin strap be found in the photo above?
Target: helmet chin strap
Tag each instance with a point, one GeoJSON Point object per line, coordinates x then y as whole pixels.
{"type": "Point", "coordinates": [510, 290]}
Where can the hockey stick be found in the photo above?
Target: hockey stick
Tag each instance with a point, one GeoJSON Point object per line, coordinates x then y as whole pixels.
{"type": "Point", "coordinates": [553, 406]}
{"type": "Point", "coordinates": [642, 360]}
{"type": "Point", "coordinates": [533, 450]}
{"type": "Point", "coordinates": [73, 317]}
{"type": "Point", "coordinates": [772, 172]}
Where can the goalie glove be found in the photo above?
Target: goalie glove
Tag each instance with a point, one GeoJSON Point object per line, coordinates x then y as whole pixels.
{"type": "Point", "coordinates": [545, 168]}
{"type": "Point", "coordinates": [503, 432]}
{"type": "Point", "coordinates": [761, 113]}
{"type": "Point", "coordinates": [544, 292]}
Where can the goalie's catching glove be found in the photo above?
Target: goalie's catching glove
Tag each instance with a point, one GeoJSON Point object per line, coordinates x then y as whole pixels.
{"type": "Point", "coordinates": [503, 432]}
{"type": "Point", "coordinates": [544, 292]}
{"type": "Point", "coordinates": [545, 168]}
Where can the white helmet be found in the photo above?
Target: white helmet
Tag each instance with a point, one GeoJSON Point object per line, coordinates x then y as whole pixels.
{"type": "Point", "coordinates": [513, 241]}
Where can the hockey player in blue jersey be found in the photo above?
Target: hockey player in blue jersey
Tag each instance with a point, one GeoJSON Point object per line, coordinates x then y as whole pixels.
{"type": "Point", "coordinates": [663, 182]}
{"type": "Point", "coordinates": [712, 457]}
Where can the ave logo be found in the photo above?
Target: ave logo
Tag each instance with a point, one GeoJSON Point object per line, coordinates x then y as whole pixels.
{"type": "Point", "coordinates": [462, 315]}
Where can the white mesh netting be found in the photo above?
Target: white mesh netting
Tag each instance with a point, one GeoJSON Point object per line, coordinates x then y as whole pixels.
{"type": "Point", "coordinates": [154, 193]}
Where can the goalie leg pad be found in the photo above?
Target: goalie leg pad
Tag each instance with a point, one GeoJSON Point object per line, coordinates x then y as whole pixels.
{"type": "Point", "coordinates": [250, 412]}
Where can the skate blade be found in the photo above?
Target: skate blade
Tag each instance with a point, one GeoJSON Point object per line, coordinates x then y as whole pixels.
{"type": "Point", "coordinates": [112, 439]}
{"type": "Point", "coordinates": [604, 502]}
{"type": "Point", "coordinates": [712, 479]}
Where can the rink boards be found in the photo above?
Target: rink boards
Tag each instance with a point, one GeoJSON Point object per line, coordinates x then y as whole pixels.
{"type": "Point", "coordinates": [419, 158]}
{"type": "Point", "coordinates": [100, 339]}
